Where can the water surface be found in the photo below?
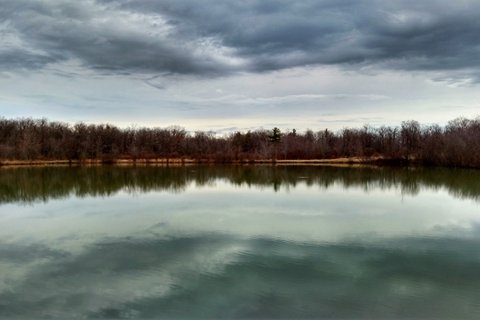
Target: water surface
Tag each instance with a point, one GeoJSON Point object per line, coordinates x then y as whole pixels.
{"type": "Point", "coordinates": [239, 242]}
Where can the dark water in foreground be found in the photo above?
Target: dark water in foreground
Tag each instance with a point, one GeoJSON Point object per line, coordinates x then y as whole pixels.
{"type": "Point", "coordinates": [239, 242]}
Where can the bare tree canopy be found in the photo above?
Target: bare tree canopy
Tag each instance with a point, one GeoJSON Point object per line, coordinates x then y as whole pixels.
{"type": "Point", "coordinates": [456, 144]}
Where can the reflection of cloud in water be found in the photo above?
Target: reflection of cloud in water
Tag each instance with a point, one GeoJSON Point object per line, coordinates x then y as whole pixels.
{"type": "Point", "coordinates": [221, 276]}
{"type": "Point", "coordinates": [303, 213]}
{"type": "Point", "coordinates": [220, 242]}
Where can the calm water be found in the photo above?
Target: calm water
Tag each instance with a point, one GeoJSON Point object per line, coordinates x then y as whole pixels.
{"type": "Point", "coordinates": [239, 242]}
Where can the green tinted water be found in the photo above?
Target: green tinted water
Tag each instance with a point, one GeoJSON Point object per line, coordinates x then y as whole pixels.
{"type": "Point", "coordinates": [239, 242]}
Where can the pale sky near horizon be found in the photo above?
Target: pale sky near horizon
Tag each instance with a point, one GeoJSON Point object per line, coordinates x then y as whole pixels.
{"type": "Point", "coordinates": [240, 65]}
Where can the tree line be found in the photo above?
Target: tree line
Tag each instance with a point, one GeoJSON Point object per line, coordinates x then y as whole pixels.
{"type": "Point", "coordinates": [456, 144]}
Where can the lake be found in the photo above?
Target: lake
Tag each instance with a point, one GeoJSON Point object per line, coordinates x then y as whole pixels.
{"type": "Point", "coordinates": [254, 242]}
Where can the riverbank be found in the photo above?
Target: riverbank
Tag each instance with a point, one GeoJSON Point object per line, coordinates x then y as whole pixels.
{"type": "Point", "coordinates": [179, 161]}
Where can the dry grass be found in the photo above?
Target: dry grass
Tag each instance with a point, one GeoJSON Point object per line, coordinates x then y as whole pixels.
{"type": "Point", "coordinates": [179, 161]}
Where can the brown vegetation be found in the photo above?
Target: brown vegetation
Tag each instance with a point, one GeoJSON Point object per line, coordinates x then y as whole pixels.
{"type": "Point", "coordinates": [28, 141]}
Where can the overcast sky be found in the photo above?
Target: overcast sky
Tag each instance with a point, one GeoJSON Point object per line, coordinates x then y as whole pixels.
{"type": "Point", "coordinates": [227, 65]}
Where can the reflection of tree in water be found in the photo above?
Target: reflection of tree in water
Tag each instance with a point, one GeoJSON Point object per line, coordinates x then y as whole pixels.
{"type": "Point", "coordinates": [410, 185]}
{"type": "Point", "coordinates": [41, 184]}
{"type": "Point", "coordinates": [276, 179]}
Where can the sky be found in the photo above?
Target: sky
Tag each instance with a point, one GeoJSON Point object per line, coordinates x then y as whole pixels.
{"type": "Point", "coordinates": [222, 65]}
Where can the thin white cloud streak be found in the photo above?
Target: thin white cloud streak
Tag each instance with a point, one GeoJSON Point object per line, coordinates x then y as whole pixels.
{"type": "Point", "coordinates": [300, 98]}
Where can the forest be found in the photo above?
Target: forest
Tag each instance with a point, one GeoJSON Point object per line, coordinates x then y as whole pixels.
{"type": "Point", "coordinates": [456, 144]}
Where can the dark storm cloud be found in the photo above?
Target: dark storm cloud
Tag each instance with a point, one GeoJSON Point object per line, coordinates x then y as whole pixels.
{"type": "Point", "coordinates": [15, 59]}
{"type": "Point", "coordinates": [97, 36]}
{"type": "Point", "coordinates": [219, 37]}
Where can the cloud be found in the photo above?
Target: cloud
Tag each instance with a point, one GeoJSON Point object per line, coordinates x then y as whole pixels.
{"type": "Point", "coordinates": [103, 38]}
{"type": "Point", "coordinates": [219, 37]}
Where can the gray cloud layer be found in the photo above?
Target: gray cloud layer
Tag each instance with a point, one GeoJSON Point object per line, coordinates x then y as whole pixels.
{"type": "Point", "coordinates": [221, 37]}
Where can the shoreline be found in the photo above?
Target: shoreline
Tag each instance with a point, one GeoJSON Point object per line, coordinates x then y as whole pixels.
{"type": "Point", "coordinates": [179, 161]}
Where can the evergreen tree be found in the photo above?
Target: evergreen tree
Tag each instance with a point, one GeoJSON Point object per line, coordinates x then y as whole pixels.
{"type": "Point", "coordinates": [275, 139]}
